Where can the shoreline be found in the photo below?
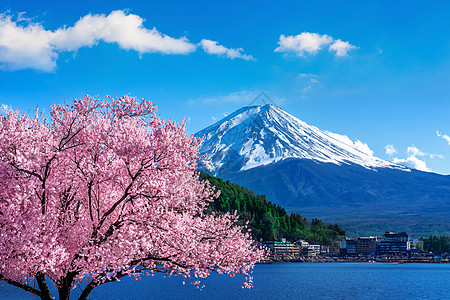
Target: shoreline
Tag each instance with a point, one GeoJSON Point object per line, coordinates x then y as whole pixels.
{"type": "Point", "coordinates": [427, 260]}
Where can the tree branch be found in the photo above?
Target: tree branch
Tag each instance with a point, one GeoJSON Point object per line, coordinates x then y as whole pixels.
{"type": "Point", "coordinates": [90, 200]}
{"type": "Point", "coordinates": [21, 285]}
{"type": "Point", "coordinates": [114, 206]}
{"type": "Point", "coordinates": [44, 180]}
{"type": "Point", "coordinates": [32, 173]}
{"type": "Point", "coordinates": [125, 272]}
{"type": "Point", "coordinates": [45, 292]}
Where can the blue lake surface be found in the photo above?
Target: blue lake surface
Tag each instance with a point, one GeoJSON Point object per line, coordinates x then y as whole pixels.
{"type": "Point", "coordinates": [288, 280]}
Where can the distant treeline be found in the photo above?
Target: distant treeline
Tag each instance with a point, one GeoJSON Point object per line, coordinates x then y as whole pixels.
{"type": "Point", "coordinates": [435, 244]}
{"type": "Point", "coordinates": [269, 221]}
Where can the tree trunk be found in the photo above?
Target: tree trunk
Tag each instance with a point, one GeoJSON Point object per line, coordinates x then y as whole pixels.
{"type": "Point", "coordinates": [64, 292]}
{"type": "Point", "coordinates": [45, 292]}
{"type": "Point", "coordinates": [66, 286]}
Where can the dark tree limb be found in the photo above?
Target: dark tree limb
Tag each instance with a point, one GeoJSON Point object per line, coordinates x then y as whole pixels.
{"type": "Point", "coordinates": [31, 173]}
{"type": "Point", "coordinates": [21, 285]}
{"type": "Point", "coordinates": [45, 292]}
{"type": "Point", "coordinates": [66, 286]}
{"type": "Point", "coordinates": [99, 279]}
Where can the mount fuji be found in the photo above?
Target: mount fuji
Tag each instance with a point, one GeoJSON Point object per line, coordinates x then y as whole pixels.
{"type": "Point", "coordinates": [323, 174]}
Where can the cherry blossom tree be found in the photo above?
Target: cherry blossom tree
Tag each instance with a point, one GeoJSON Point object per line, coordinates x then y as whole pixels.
{"type": "Point", "coordinates": [103, 189]}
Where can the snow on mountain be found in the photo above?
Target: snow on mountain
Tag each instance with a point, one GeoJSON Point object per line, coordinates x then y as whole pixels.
{"type": "Point", "coordinates": [324, 175]}
{"type": "Point", "coordinates": [254, 136]}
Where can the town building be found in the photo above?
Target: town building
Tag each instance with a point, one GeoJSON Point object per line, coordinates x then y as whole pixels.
{"type": "Point", "coordinates": [302, 243]}
{"type": "Point", "coordinates": [343, 246]}
{"type": "Point", "coordinates": [283, 249]}
{"type": "Point", "coordinates": [324, 250]}
{"type": "Point", "coordinates": [351, 247]}
{"type": "Point", "coordinates": [316, 248]}
{"type": "Point", "coordinates": [309, 251]}
{"type": "Point", "coordinates": [347, 247]}
{"type": "Point", "coordinates": [334, 247]}
{"type": "Point", "coordinates": [366, 245]}
{"type": "Point", "coordinates": [394, 243]}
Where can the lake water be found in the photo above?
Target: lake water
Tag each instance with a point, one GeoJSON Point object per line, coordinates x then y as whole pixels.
{"type": "Point", "coordinates": [291, 281]}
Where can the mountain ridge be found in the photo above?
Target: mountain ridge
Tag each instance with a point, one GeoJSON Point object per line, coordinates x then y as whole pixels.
{"type": "Point", "coordinates": [319, 174]}
{"type": "Point", "coordinates": [260, 135]}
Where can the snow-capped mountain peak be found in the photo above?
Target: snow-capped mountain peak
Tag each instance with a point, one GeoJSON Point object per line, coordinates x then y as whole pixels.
{"type": "Point", "coordinates": [260, 135]}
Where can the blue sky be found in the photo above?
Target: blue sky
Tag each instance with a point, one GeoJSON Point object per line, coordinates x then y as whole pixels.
{"type": "Point", "coordinates": [375, 71]}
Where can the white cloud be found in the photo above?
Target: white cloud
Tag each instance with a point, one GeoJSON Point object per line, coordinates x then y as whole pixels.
{"type": "Point", "coordinates": [126, 30]}
{"type": "Point", "coordinates": [363, 147]}
{"type": "Point", "coordinates": [25, 47]}
{"type": "Point", "coordinates": [306, 89]}
{"type": "Point", "coordinates": [242, 98]}
{"type": "Point", "coordinates": [414, 151]}
{"type": "Point", "coordinates": [413, 163]}
{"type": "Point", "coordinates": [444, 136]}
{"type": "Point", "coordinates": [358, 145]}
{"type": "Point", "coordinates": [33, 47]}
{"type": "Point", "coordinates": [307, 75]}
{"type": "Point", "coordinates": [390, 150]}
{"type": "Point", "coordinates": [213, 48]}
{"type": "Point", "coordinates": [341, 47]}
{"type": "Point", "coordinates": [312, 78]}
{"type": "Point", "coordinates": [340, 137]}
{"type": "Point", "coordinates": [310, 43]}
{"type": "Point", "coordinates": [309, 82]}
{"type": "Point", "coordinates": [305, 42]}
{"type": "Point", "coordinates": [235, 97]}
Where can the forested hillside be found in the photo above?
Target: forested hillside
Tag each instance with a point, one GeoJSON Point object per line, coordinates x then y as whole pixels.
{"type": "Point", "coordinates": [269, 221]}
{"type": "Point", "coordinates": [437, 244]}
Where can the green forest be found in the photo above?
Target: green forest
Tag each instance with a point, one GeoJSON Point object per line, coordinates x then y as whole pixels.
{"type": "Point", "coordinates": [268, 221]}
{"type": "Point", "coordinates": [435, 244]}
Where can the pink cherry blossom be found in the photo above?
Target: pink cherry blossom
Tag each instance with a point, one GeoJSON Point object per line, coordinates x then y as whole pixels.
{"type": "Point", "coordinates": [104, 189]}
